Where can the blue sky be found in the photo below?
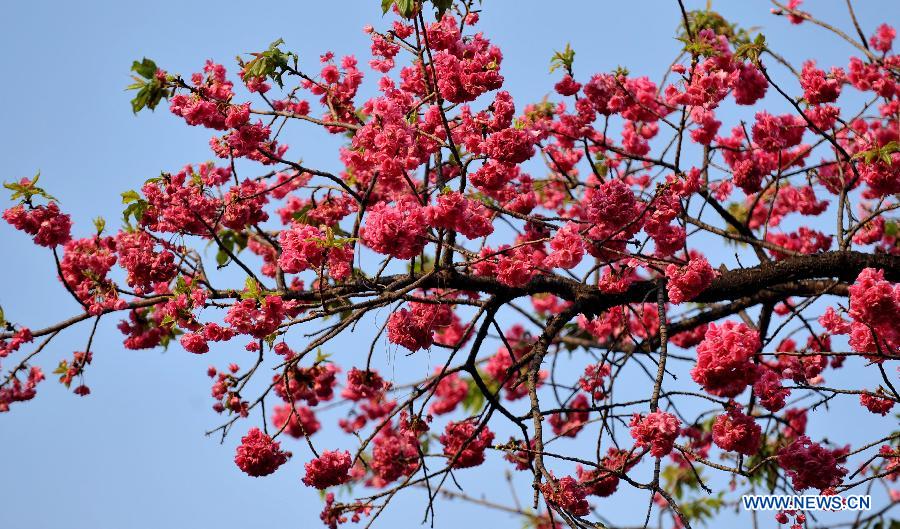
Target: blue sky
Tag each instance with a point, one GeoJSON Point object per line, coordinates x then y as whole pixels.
{"type": "Point", "coordinates": [133, 454]}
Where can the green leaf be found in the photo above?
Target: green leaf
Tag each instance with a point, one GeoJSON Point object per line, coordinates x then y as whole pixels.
{"type": "Point", "coordinates": [424, 265]}
{"type": "Point", "coordinates": [61, 368]}
{"type": "Point", "coordinates": [679, 479]}
{"type": "Point", "coordinates": [150, 89]}
{"type": "Point", "coordinates": [321, 357]}
{"type": "Point", "coordinates": [26, 189]}
{"type": "Point", "coordinates": [386, 5]}
{"type": "Point", "coordinates": [441, 6]}
{"type": "Point", "coordinates": [167, 338]}
{"type": "Point", "coordinates": [100, 224]}
{"type": "Point", "coordinates": [702, 510]}
{"type": "Point", "coordinates": [137, 206]}
{"type": "Point", "coordinates": [301, 215]}
{"type": "Point", "coordinates": [699, 48]}
{"type": "Point", "coordinates": [752, 50]}
{"type": "Point", "coordinates": [883, 154]}
{"type": "Point", "coordinates": [233, 241]}
{"type": "Point", "coordinates": [407, 8]}
{"type": "Point", "coordinates": [563, 59]}
{"type": "Point", "coordinates": [474, 400]}
{"type": "Point", "coordinates": [130, 196]}
{"type": "Point", "coordinates": [181, 286]}
{"type": "Point", "coordinates": [272, 63]}
{"type": "Point", "coordinates": [146, 68]}
{"type": "Point", "coordinates": [602, 167]}
{"type": "Point", "coordinates": [252, 289]}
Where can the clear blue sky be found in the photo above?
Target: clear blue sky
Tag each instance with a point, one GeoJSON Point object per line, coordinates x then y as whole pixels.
{"type": "Point", "coordinates": [133, 454]}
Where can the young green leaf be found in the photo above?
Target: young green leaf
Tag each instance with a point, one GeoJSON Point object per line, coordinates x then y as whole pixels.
{"type": "Point", "coordinates": [563, 59]}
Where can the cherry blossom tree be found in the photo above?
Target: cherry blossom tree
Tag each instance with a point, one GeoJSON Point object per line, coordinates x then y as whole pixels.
{"type": "Point", "coordinates": [609, 264]}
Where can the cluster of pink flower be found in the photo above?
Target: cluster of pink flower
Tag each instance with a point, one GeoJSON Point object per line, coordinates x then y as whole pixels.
{"type": "Point", "coordinates": [388, 145]}
{"type": "Point", "coordinates": [686, 282]}
{"type": "Point", "coordinates": [568, 494]}
{"type": "Point", "coordinates": [784, 517]}
{"type": "Point", "coordinates": [604, 481]}
{"type": "Point", "coordinates": [594, 378]}
{"type": "Point", "coordinates": [143, 329]}
{"type": "Point", "coordinates": [875, 311]}
{"type": "Point", "coordinates": [775, 145]}
{"type": "Point", "coordinates": [736, 432]}
{"type": "Point", "coordinates": [298, 421]}
{"type": "Point", "coordinates": [810, 464]}
{"type": "Point", "coordinates": [415, 328]}
{"type": "Point", "coordinates": [333, 515]}
{"type": "Point", "coordinates": [777, 133]}
{"type": "Point", "coordinates": [513, 267]}
{"type": "Point", "coordinates": [614, 215]}
{"type": "Point", "coordinates": [769, 391]}
{"type": "Point", "coordinates": [452, 211]}
{"type": "Point", "coordinates": [463, 70]}
{"type": "Point", "coordinates": [329, 469]}
{"type": "Point", "coordinates": [465, 442]}
{"type": "Point", "coordinates": [211, 91]}
{"type": "Point", "coordinates": [624, 324]}
{"type": "Point", "coordinates": [147, 268]}
{"type": "Point", "coordinates": [567, 248]}
{"type": "Point", "coordinates": [634, 98]}
{"type": "Point", "coordinates": [771, 206]}
{"type": "Point", "coordinates": [259, 318]}
{"type": "Point", "coordinates": [449, 393]}
{"type": "Point", "coordinates": [244, 205]}
{"type": "Point", "coordinates": [505, 368]}
{"type": "Point", "coordinates": [709, 81]}
{"type": "Point", "coordinates": [804, 240]}
{"type": "Point", "coordinates": [399, 231]}
{"type": "Point", "coordinates": [819, 87]}
{"type": "Point", "coordinates": [208, 103]}
{"type": "Point", "coordinates": [19, 391]}
{"type": "Point", "coordinates": [570, 423]}
{"type": "Point", "coordinates": [49, 226]}
{"type": "Point", "coordinates": [22, 336]}
{"type": "Point", "coordinates": [368, 389]}
{"type": "Point", "coordinates": [337, 88]}
{"type": "Point", "coordinates": [311, 384]}
{"type": "Point", "coordinates": [396, 451]}
{"type": "Point", "coordinates": [657, 431]}
{"type": "Point", "coordinates": [178, 204]}
{"type": "Point", "coordinates": [877, 402]}
{"type": "Point", "coordinates": [364, 385]}
{"type": "Point", "coordinates": [258, 455]}
{"type": "Point", "coordinates": [725, 359]}
{"type": "Point", "coordinates": [891, 461]}
{"type": "Point", "coordinates": [305, 247]}
{"type": "Point", "coordinates": [84, 268]}
{"type": "Point", "coordinates": [327, 211]}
